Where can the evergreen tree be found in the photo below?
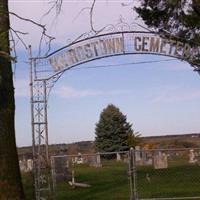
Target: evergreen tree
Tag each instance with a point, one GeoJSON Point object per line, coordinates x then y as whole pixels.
{"type": "Point", "coordinates": [180, 18]}
{"type": "Point", "coordinates": [112, 130]}
{"type": "Point", "coordinates": [133, 139]}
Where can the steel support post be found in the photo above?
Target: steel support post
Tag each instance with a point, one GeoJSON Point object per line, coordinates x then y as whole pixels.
{"type": "Point", "coordinates": [41, 163]}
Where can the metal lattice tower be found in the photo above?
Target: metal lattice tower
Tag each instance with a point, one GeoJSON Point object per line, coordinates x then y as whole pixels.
{"type": "Point", "coordinates": [39, 136]}
{"type": "Point", "coordinates": [40, 140]}
{"type": "Point", "coordinates": [39, 90]}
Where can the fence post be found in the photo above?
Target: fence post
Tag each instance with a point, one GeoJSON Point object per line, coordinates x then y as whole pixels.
{"type": "Point", "coordinates": [53, 175]}
{"type": "Point", "coordinates": [132, 174]}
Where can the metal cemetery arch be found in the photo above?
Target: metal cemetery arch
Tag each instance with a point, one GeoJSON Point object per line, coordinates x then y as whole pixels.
{"type": "Point", "coordinates": [45, 71]}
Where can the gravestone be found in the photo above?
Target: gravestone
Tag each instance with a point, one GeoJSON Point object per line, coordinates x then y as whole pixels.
{"type": "Point", "coordinates": [61, 169]}
{"type": "Point", "coordinates": [144, 156]}
{"type": "Point", "coordinates": [118, 157]}
{"type": "Point", "coordinates": [149, 161]}
{"type": "Point", "coordinates": [29, 165]}
{"type": "Point", "coordinates": [125, 158]}
{"type": "Point", "coordinates": [23, 165]}
{"type": "Point", "coordinates": [192, 159]}
{"type": "Point", "coordinates": [79, 159]}
{"type": "Point", "coordinates": [98, 156]}
{"type": "Point", "coordinates": [138, 154]}
{"type": "Point", "coordinates": [141, 157]}
{"type": "Point", "coordinates": [95, 160]}
{"type": "Point", "coordinates": [160, 161]}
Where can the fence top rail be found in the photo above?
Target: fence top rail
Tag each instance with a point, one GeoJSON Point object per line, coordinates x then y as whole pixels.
{"type": "Point", "coordinates": [91, 154]}
{"type": "Point", "coordinates": [125, 152]}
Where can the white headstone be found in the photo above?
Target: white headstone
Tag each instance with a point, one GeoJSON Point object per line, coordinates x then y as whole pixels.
{"type": "Point", "coordinates": [79, 159]}
{"type": "Point", "coordinates": [192, 159]}
{"type": "Point", "coordinates": [29, 165]}
{"type": "Point", "coordinates": [160, 161]}
{"type": "Point", "coordinates": [98, 157]}
{"type": "Point", "coordinates": [118, 157]}
{"type": "Point", "coordinates": [95, 160]}
{"type": "Point", "coordinates": [137, 153]}
{"type": "Point", "coordinates": [23, 165]}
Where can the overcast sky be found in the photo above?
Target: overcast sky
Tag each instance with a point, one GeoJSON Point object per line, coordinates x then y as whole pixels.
{"type": "Point", "coordinates": [158, 98]}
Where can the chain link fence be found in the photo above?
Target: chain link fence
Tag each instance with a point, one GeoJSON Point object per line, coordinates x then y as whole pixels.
{"type": "Point", "coordinates": [168, 174]}
{"type": "Point", "coordinates": [137, 174]}
{"type": "Point", "coordinates": [91, 176]}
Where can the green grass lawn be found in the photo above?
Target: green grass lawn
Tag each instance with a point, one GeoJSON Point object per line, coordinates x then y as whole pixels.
{"type": "Point", "coordinates": [110, 182]}
{"type": "Point", "coordinates": [178, 181]}
{"type": "Point", "coordinates": [27, 179]}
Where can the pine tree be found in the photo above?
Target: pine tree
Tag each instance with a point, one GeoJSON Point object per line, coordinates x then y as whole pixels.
{"type": "Point", "coordinates": [133, 139]}
{"type": "Point", "coordinates": [112, 130]}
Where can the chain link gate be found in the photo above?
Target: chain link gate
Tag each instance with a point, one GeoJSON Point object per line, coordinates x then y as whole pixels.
{"type": "Point", "coordinates": [93, 176]}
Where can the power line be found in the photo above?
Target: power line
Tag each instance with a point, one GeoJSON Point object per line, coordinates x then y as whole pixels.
{"type": "Point", "coordinates": [123, 64]}
{"type": "Point", "coordinates": [114, 65]}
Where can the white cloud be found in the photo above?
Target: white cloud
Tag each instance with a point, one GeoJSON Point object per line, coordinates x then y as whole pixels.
{"type": "Point", "coordinates": [70, 92]}
{"type": "Point", "coordinates": [22, 90]}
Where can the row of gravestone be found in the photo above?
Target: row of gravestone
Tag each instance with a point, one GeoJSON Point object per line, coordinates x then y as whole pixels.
{"type": "Point", "coordinates": [93, 160]}
{"type": "Point", "coordinates": [159, 160]}
{"type": "Point", "coordinates": [63, 165]}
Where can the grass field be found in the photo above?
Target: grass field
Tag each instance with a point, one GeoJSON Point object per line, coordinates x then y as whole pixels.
{"type": "Point", "coordinates": [179, 181]}
{"type": "Point", "coordinates": [111, 182]}
{"type": "Point", "coordinates": [108, 182]}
